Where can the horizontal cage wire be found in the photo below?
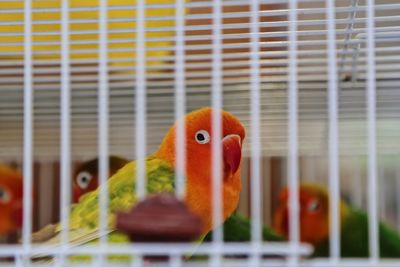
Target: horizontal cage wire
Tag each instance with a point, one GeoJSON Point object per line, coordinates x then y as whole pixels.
{"type": "Point", "coordinates": [300, 95]}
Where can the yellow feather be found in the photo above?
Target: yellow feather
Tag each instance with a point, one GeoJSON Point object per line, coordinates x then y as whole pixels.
{"type": "Point", "coordinates": [12, 30]}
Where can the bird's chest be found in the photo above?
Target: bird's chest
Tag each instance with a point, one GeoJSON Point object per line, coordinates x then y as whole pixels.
{"type": "Point", "coordinates": [200, 200]}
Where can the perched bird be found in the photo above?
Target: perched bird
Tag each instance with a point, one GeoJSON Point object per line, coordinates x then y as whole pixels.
{"type": "Point", "coordinates": [160, 171]}
{"type": "Point", "coordinates": [237, 228]}
{"type": "Point", "coordinates": [86, 176]}
{"type": "Point", "coordinates": [314, 225]}
{"type": "Point", "coordinates": [11, 200]}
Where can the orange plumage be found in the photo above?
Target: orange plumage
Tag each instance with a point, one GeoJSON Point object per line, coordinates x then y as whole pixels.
{"type": "Point", "coordinates": [314, 214]}
{"type": "Point", "coordinates": [11, 198]}
{"type": "Point", "coordinates": [161, 168]}
{"type": "Point", "coordinates": [199, 162]}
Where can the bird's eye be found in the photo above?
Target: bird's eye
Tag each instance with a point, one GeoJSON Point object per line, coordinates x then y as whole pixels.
{"type": "Point", "coordinates": [83, 179]}
{"type": "Point", "coordinates": [202, 137]}
{"type": "Point", "coordinates": [5, 195]}
{"type": "Point", "coordinates": [314, 205]}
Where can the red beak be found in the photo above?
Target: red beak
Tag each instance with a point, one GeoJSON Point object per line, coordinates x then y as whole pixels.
{"type": "Point", "coordinates": [232, 153]}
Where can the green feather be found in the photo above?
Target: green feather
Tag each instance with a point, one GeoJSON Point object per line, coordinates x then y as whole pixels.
{"type": "Point", "coordinates": [121, 188]}
{"type": "Point", "coordinates": [84, 218]}
{"type": "Point", "coordinates": [355, 238]}
{"type": "Point", "coordinates": [237, 228]}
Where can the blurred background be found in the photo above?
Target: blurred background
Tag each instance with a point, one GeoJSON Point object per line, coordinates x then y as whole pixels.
{"type": "Point", "coordinates": [236, 79]}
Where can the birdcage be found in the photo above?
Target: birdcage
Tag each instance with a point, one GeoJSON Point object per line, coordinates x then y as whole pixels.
{"type": "Point", "coordinates": [315, 84]}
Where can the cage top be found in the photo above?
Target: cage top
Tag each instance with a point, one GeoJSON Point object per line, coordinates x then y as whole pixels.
{"type": "Point", "coordinates": [171, 51]}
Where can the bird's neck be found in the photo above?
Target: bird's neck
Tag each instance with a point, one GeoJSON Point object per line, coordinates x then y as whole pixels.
{"type": "Point", "coordinates": [199, 199]}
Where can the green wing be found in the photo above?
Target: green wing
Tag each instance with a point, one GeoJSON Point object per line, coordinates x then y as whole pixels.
{"type": "Point", "coordinates": [355, 238]}
{"type": "Point", "coordinates": [84, 219]}
{"type": "Point", "coordinates": [121, 188]}
{"type": "Point", "coordinates": [237, 228]}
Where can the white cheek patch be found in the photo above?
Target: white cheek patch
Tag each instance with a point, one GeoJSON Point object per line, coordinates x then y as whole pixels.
{"type": "Point", "coordinates": [83, 179]}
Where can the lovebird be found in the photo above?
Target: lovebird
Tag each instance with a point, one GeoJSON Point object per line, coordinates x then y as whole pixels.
{"type": "Point", "coordinates": [11, 200]}
{"type": "Point", "coordinates": [314, 225]}
{"type": "Point", "coordinates": [237, 228]}
{"type": "Point", "coordinates": [160, 172]}
{"type": "Point", "coordinates": [86, 178]}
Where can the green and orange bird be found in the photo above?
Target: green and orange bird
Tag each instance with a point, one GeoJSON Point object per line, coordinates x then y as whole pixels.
{"type": "Point", "coordinates": [86, 178]}
{"type": "Point", "coordinates": [11, 200]}
{"type": "Point", "coordinates": [314, 225]}
{"type": "Point", "coordinates": [160, 171]}
{"type": "Point", "coordinates": [237, 228]}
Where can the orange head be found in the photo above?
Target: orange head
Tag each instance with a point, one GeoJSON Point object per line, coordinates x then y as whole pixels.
{"type": "Point", "coordinates": [86, 176]}
{"type": "Point", "coordinates": [11, 200]}
{"type": "Point", "coordinates": [314, 213]}
{"type": "Point", "coordinates": [199, 139]}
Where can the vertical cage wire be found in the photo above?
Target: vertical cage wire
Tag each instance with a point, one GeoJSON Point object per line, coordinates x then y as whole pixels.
{"type": "Point", "coordinates": [65, 157]}
{"type": "Point", "coordinates": [349, 31]}
{"type": "Point", "coordinates": [103, 123]}
{"type": "Point", "coordinates": [175, 260]}
{"type": "Point", "coordinates": [334, 185]}
{"type": "Point", "coordinates": [140, 103]}
{"type": "Point", "coordinates": [368, 78]}
{"type": "Point", "coordinates": [256, 196]}
{"type": "Point", "coordinates": [371, 128]}
{"type": "Point", "coordinates": [292, 164]}
{"type": "Point", "coordinates": [180, 98]}
{"type": "Point", "coordinates": [216, 132]}
{"type": "Point", "coordinates": [28, 128]}
{"type": "Point", "coordinates": [137, 261]}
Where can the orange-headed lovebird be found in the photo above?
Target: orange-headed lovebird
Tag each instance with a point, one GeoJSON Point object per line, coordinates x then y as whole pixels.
{"type": "Point", "coordinates": [86, 176]}
{"type": "Point", "coordinates": [314, 225]}
{"type": "Point", "coordinates": [160, 172]}
{"type": "Point", "coordinates": [11, 199]}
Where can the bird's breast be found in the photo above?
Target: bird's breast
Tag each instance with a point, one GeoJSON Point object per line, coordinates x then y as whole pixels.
{"type": "Point", "coordinates": [199, 199]}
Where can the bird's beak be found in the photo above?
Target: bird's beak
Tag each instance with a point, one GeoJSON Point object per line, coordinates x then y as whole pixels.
{"type": "Point", "coordinates": [17, 213]}
{"type": "Point", "coordinates": [232, 153]}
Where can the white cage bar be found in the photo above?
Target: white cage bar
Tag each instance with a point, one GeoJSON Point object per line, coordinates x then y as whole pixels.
{"type": "Point", "coordinates": [65, 128]}
{"type": "Point", "coordinates": [372, 162]}
{"type": "Point", "coordinates": [140, 103]}
{"type": "Point", "coordinates": [315, 84]}
{"type": "Point", "coordinates": [28, 129]}
{"type": "Point", "coordinates": [334, 186]}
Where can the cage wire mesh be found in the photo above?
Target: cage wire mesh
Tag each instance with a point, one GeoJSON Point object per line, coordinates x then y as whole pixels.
{"type": "Point", "coordinates": [315, 83]}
